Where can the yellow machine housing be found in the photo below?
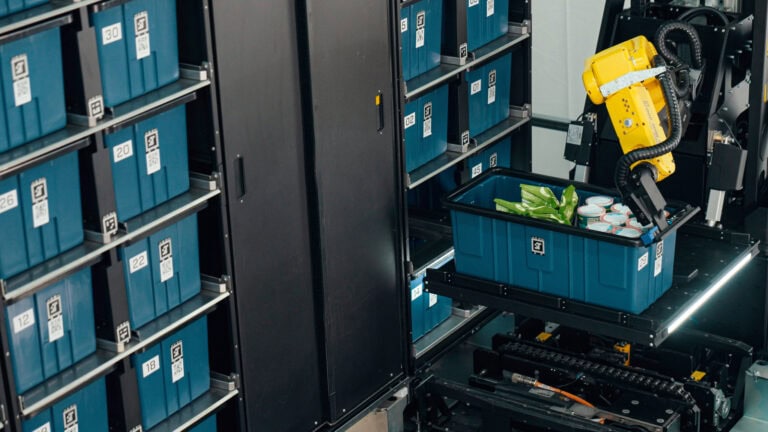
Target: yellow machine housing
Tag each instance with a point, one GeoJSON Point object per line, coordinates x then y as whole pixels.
{"type": "Point", "coordinates": [633, 109]}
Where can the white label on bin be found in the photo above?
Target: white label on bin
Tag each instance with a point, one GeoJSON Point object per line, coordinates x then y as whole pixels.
{"type": "Point", "coordinates": [417, 292]}
{"type": "Point", "coordinates": [409, 120]}
{"type": "Point", "coordinates": [22, 91]}
{"type": "Point", "coordinates": [24, 320]}
{"type": "Point", "coordinates": [141, 28]}
{"type": "Point", "coordinates": [432, 299]}
{"type": "Point", "coordinates": [494, 160]}
{"type": "Point", "coordinates": [489, 9]}
{"type": "Point", "coordinates": [477, 170]}
{"type": "Point", "coordinates": [421, 23]}
{"type": "Point", "coordinates": [152, 147]}
{"type": "Point", "coordinates": [9, 201]}
{"type": "Point", "coordinates": [122, 151]}
{"type": "Point", "coordinates": [40, 214]}
{"type": "Point", "coordinates": [166, 260]}
{"type": "Point", "coordinates": [55, 318]}
{"type": "Point", "coordinates": [427, 120]}
{"type": "Point", "coordinates": [19, 67]}
{"type": "Point", "coordinates": [642, 261]}
{"type": "Point", "coordinates": [113, 33]}
{"type": "Point", "coordinates": [177, 361]}
{"type": "Point", "coordinates": [474, 3]}
{"type": "Point", "coordinates": [44, 428]}
{"type": "Point", "coordinates": [538, 246]}
{"type": "Point", "coordinates": [419, 38]}
{"type": "Point", "coordinates": [657, 265]}
{"type": "Point", "coordinates": [491, 94]}
{"type": "Point", "coordinates": [138, 262]}
{"type": "Point", "coordinates": [70, 419]}
{"type": "Point", "coordinates": [403, 25]}
{"type": "Point", "coordinates": [477, 86]}
{"type": "Point", "coordinates": [150, 366]}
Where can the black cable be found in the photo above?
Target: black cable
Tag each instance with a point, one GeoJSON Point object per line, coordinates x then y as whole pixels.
{"type": "Point", "coordinates": [703, 10]}
{"type": "Point", "coordinates": [621, 175]}
{"type": "Point", "coordinates": [691, 34]}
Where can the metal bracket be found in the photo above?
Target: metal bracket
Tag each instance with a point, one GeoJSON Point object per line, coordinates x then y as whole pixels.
{"type": "Point", "coordinates": [194, 72]}
{"type": "Point", "coordinates": [629, 79]}
{"type": "Point", "coordinates": [227, 383]}
{"type": "Point", "coordinates": [520, 28]}
{"type": "Point", "coordinates": [210, 182]}
{"type": "Point", "coordinates": [216, 285]}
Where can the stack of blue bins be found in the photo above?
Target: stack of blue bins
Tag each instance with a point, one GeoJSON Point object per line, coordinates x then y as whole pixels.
{"type": "Point", "coordinates": [487, 20]}
{"type": "Point", "coordinates": [162, 271]}
{"type": "Point", "coordinates": [421, 25]}
{"type": "Point", "coordinates": [32, 77]}
{"type": "Point", "coordinates": [149, 161]}
{"type": "Point", "coordinates": [51, 330]}
{"type": "Point", "coordinates": [8, 7]}
{"type": "Point", "coordinates": [489, 94]}
{"type": "Point", "coordinates": [427, 310]}
{"type": "Point", "coordinates": [173, 373]}
{"type": "Point", "coordinates": [83, 410]}
{"type": "Point", "coordinates": [137, 47]}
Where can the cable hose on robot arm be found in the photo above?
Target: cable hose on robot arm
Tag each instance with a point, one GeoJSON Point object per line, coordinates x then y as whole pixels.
{"type": "Point", "coordinates": [691, 34]}
{"type": "Point", "coordinates": [624, 164]}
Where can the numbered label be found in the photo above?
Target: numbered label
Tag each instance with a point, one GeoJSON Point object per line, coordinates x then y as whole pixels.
{"type": "Point", "coordinates": [44, 428]}
{"type": "Point", "coordinates": [111, 34]}
{"type": "Point", "coordinates": [417, 292]}
{"type": "Point", "coordinates": [473, 3]}
{"type": "Point", "coordinates": [409, 120]}
{"type": "Point", "coordinates": [403, 25]}
{"type": "Point", "coordinates": [122, 151]}
{"type": "Point", "coordinates": [166, 260]}
{"type": "Point", "coordinates": [489, 8]}
{"type": "Point", "coordinates": [138, 262]}
{"type": "Point", "coordinates": [24, 320]}
{"type": "Point", "coordinates": [432, 299]}
{"type": "Point", "coordinates": [9, 201]}
{"type": "Point", "coordinates": [150, 366]}
{"type": "Point", "coordinates": [55, 318]}
{"type": "Point", "coordinates": [477, 170]}
{"type": "Point", "coordinates": [477, 87]}
{"type": "Point", "coordinates": [177, 361]}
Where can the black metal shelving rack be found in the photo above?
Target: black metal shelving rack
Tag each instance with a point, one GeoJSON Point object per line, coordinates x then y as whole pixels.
{"type": "Point", "coordinates": [439, 248]}
{"type": "Point", "coordinates": [88, 121]}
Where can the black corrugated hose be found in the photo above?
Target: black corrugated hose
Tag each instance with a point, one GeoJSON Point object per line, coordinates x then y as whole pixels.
{"type": "Point", "coordinates": [683, 81]}
{"type": "Point", "coordinates": [621, 176]}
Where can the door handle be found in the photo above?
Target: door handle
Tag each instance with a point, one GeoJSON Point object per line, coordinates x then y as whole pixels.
{"type": "Point", "coordinates": [240, 178]}
{"type": "Point", "coordinates": [380, 112]}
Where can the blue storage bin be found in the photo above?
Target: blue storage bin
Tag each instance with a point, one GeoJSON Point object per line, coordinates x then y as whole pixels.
{"type": "Point", "coordinates": [8, 7]}
{"type": "Point", "coordinates": [207, 425]}
{"type": "Point", "coordinates": [421, 27]}
{"type": "Point", "coordinates": [417, 308]}
{"type": "Point", "coordinates": [426, 128]}
{"type": "Point", "coordinates": [149, 162]}
{"type": "Point", "coordinates": [487, 20]}
{"type": "Point", "coordinates": [137, 46]}
{"type": "Point", "coordinates": [438, 309]}
{"type": "Point", "coordinates": [33, 87]}
{"type": "Point", "coordinates": [498, 155]}
{"type": "Point", "coordinates": [588, 266]}
{"type": "Point", "coordinates": [173, 373]}
{"type": "Point", "coordinates": [162, 271]}
{"type": "Point", "coordinates": [37, 228]}
{"type": "Point", "coordinates": [84, 410]}
{"type": "Point", "coordinates": [51, 330]}
{"type": "Point", "coordinates": [489, 94]}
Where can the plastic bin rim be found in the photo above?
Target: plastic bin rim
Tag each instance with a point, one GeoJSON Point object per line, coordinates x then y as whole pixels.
{"type": "Point", "coordinates": [99, 7]}
{"type": "Point", "coordinates": [684, 215]}
{"type": "Point", "coordinates": [36, 28]}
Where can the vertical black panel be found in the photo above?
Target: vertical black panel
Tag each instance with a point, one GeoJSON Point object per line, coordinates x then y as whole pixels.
{"type": "Point", "coordinates": [357, 197]}
{"type": "Point", "coordinates": [257, 74]}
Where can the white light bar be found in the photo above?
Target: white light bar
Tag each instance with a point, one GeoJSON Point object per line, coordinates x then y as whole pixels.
{"type": "Point", "coordinates": [711, 291]}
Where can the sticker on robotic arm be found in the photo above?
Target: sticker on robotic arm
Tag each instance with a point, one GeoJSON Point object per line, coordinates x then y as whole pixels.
{"type": "Point", "coordinates": [55, 318]}
{"type": "Point", "coordinates": [40, 213]}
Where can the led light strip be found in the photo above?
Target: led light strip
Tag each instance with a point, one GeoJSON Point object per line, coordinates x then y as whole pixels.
{"type": "Point", "coordinates": [711, 291]}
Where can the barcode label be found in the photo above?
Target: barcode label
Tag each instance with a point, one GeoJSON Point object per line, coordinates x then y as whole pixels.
{"type": "Point", "coordinates": [150, 366]}
{"type": "Point", "coordinates": [427, 127]}
{"type": "Point", "coordinates": [111, 34]}
{"type": "Point", "coordinates": [141, 27]}
{"type": "Point", "coordinates": [477, 87]}
{"type": "Point", "coordinates": [477, 170]}
{"type": "Point", "coordinates": [657, 265]}
{"type": "Point", "coordinates": [417, 292]}
{"type": "Point", "coordinates": [419, 38]}
{"type": "Point", "coordinates": [142, 47]}
{"type": "Point", "coordinates": [70, 419]}
{"type": "Point", "coordinates": [166, 260]}
{"type": "Point", "coordinates": [152, 148]}
{"type": "Point", "coordinates": [489, 9]}
{"type": "Point", "coordinates": [177, 361]}
{"type": "Point", "coordinates": [138, 262]}
{"type": "Point", "coordinates": [22, 91]}
{"type": "Point", "coordinates": [24, 320]}
{"type": "Point", "coordinates": [9, 201]}
{"type": "Point", "coordinates": [421, 24]}
{"type": "Point", "coordinates": [40, 215]}
{"type": "Point", "coordinates": [491, 95]}
{"type": "Point", "coordinates": [55, 318]}
{"type": "Point", "coordinates": [19, 67]}
{"type": "Point", "coordinates": [432, 299]}
{"type": "Point", "coordinates": [409, 120]}
{"type": "Point", "coordinates": [122, 151]}
{"type": "Point", "coordinates": [642, 261]}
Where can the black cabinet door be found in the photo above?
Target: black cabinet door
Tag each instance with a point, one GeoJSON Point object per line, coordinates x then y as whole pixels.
{"type": "Point", "coordinates": [257, 71]}
{"type": "Point", "coordinates": [356, 190]}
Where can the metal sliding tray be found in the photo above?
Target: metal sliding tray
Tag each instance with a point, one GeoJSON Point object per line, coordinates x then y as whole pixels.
{"type": "Point", "coordinates": [705, 261]}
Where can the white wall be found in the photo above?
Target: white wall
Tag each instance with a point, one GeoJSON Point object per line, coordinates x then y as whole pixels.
{"type": "Point", "coordinates": [564, 35]}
